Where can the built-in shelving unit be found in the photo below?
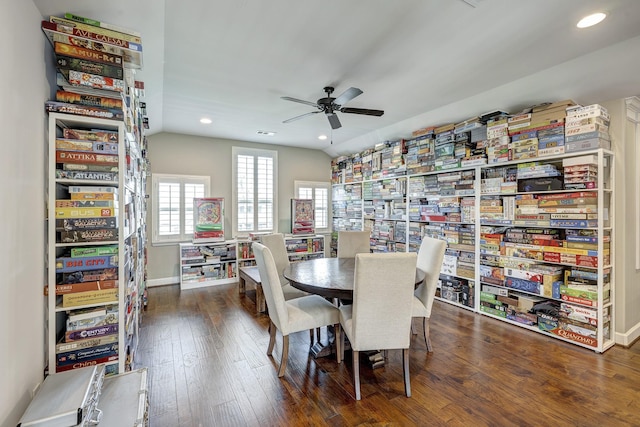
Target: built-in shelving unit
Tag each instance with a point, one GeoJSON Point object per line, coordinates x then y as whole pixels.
{"type": "Point", "coordinates": [96, 201]}
{"type": "Point", "coordinates": [524, 202]}
{"type": "Point", "coordinates": [95, 256]}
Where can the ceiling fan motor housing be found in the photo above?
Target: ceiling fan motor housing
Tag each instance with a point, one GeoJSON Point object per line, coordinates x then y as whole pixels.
{"type": "Point", "coordinates": [326, 104]}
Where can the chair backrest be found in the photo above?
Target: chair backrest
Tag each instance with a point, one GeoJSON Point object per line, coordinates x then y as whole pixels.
{"type": "Point", "coordinates": [430, 258]}
{"type": "Point", "coordinates": [382, 299]}
{"type": "Point", "coordinates": [275, 243]}
{"type": "Point", "coordinates": [271, 287]}
{"type": "Point", "coordinates": [351, 243]}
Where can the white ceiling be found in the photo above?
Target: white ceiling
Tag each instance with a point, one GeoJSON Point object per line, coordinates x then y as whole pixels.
{"type": "Point", "coordinates": [425, 62]}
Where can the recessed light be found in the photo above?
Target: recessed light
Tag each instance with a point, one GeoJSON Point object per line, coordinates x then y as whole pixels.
{"type": "Point", "coordinates": [322, 137]}
{"type": "Point", "coordinates": [591, 20]}
{"type": "Point", "coordinates": [205, 121]}
{"type": "Point", "coordinates": [266, 132]}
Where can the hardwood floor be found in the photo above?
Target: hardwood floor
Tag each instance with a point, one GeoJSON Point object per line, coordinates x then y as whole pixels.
{"type": "Point", "coordinates": [206, 353]}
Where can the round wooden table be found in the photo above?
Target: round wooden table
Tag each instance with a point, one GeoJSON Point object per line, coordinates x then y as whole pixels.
{"type": "Point", "coordinates": [327, 277]}
{"type": "Point", "coordinates": [331, 278]}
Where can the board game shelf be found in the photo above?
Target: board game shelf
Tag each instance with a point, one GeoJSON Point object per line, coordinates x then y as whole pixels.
{"type": "Point", "coordinates": [526, 208]}
{"type": "Point", "coordinates": [96, 260]}
{"type": "Point", "coordinates": [207, 264]}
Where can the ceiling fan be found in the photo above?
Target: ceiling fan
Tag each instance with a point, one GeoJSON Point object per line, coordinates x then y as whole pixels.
{"type": "Point", "coordinates": [329, 106]}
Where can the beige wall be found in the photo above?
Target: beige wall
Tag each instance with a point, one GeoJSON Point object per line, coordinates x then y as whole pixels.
{"type": "Point", "coordinates": [192, 155]}
{"type": "Point", "coordinates": [627, 278]}
{"type": "Point", "coordinates": [24, 89]}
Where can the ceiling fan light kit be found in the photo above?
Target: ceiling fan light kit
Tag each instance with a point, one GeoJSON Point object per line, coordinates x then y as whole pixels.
{"type": "Point", "coordinates": [329, 106]}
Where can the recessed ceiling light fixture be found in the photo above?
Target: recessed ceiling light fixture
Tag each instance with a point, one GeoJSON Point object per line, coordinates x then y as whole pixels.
{"type": "Point", "coordinates": [322, 137]}
{"type": "Point", "coordinates": [591, 20]}
{"type": "Point", "coordinates": [205, 121]}
{"type": "Point", "coordinates": [266, 133]}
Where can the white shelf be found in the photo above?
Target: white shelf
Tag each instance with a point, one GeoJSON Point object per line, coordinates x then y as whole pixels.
{"type": "Point", "coordinates": [229, 265]}
{"type": "Point", "coordinates": [129, 287]}
{"type": "Point", "coordinates": [474, 223]}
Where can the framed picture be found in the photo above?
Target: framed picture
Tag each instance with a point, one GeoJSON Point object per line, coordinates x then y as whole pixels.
{"type": "Point", "coordinates": [208, 219]}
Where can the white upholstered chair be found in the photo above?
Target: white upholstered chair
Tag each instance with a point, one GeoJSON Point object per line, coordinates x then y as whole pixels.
{"type": "Point", "coordinates": [380, 316]}
{"type": "Point", "coordinates": [275, 243]}
{"type": "Point", "coordinates": [430, 256]}
{"type": "Point", "coordinates": [351, 243]}
{"type": "Point", "coordinates": [299, 314]}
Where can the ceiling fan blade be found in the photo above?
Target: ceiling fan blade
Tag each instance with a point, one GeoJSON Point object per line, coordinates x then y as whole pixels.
{"type": "Point", "coordinates": [347, 96]}
{"type": "Point", "coordinates": [362, 111]}
{"type": "Point", "coordinates": [334, 121]}
{"type": "Point", "coordinates": [292, 119]}
{"type": "Point", "coordinates": [288, 98]}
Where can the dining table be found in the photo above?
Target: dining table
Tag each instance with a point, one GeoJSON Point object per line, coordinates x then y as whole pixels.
{"type": "Point", "coordinates": [331, 278]}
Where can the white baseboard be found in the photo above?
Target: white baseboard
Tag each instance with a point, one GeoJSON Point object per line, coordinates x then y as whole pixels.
{"type": "Point", "coordinates": [627, 338]}
{"type": "Point", "coordinates": [163, 281]}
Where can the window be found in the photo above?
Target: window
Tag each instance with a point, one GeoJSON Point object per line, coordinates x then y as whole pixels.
{"type": "Point", "coordinates": [254, 174]}
{"type": "Point", "coordinates": [173, 206]}
{"type": "Point", "coordinates": [319, 192]}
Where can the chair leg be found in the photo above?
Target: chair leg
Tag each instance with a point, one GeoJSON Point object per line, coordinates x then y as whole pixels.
{"type": "Point", "coordinates": [338, 338]}
{"type": "Point", "coordinates": [311, 336]}
{"type": "Point", "coordinates": [285, 356]}
{"type": "Point", "coordinates": [272, 337]}
{"type": "Point", "coordinates": [356, 373]}
{"type": "Point", "coordinates": [427, 338]}
{"type": "Point", "coordinates": [405, 369]}
{"type": "Point", "coordinates": [318, 334]}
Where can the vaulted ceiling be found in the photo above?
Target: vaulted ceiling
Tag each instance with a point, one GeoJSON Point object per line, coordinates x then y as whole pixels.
{"type": "Point", "coordinates": [424, 62]}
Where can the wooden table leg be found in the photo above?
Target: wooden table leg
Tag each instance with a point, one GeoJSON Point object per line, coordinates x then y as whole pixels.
{"type": "Point", "coordinates": [242, 285]}
{"type": "Point", "coordinates": [261, 306]}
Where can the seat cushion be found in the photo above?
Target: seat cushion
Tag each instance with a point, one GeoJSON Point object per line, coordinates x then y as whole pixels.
{"type": "Point", "coordinates": [290, 292]}
{"type": "Point", "coordinates": [418, 309]}
{"type": "Point", "coordinates": [310, 312]}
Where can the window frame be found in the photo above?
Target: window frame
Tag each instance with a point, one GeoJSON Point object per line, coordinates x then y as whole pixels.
{"type": "Point", "coordinates": [314, 185]}
{"type": "Point", "coordinates": [156, 180]}
{"type": "Point", "coordinates": [255, 153]}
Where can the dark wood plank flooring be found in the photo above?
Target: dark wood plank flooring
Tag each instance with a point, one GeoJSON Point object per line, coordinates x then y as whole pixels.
{"type": "Point", "coordinates": [206, 354]}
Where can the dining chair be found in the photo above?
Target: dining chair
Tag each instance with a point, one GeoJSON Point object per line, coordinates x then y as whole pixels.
{"type": "Point", "coordinates": [430, 256]}
{"type": "Point", "coordinates": [275, 243]}
{"type": "Point", "coordinates": [379, 318]}
{"type": "Point", "coordinates": [351, 243]}
{"type": "Point", "coordinates": [290, 316]}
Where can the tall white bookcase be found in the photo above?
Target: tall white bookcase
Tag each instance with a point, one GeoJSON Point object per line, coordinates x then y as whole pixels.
{"type": "Point", "coordinates": [130, 243]}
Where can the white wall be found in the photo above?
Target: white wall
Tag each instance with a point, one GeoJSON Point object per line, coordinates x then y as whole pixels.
{"type": "Point", "coordinates": [192, 155]}
{"type": "Point", "coordinates": [23, 89]}
{"type": "Point", "coordinates": [626, 277]}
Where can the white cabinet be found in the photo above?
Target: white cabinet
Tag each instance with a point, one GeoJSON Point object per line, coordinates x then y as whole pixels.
{"type": "Point", "coordinates": [207, 264]}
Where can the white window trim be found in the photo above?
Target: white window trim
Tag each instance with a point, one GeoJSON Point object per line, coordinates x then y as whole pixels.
{"type": "Point", "coordinates": [314, 185]}
{"type": "Point", "coordinates": [156, 179]}
{"type": "Point", "coordinates": [245, 151]}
